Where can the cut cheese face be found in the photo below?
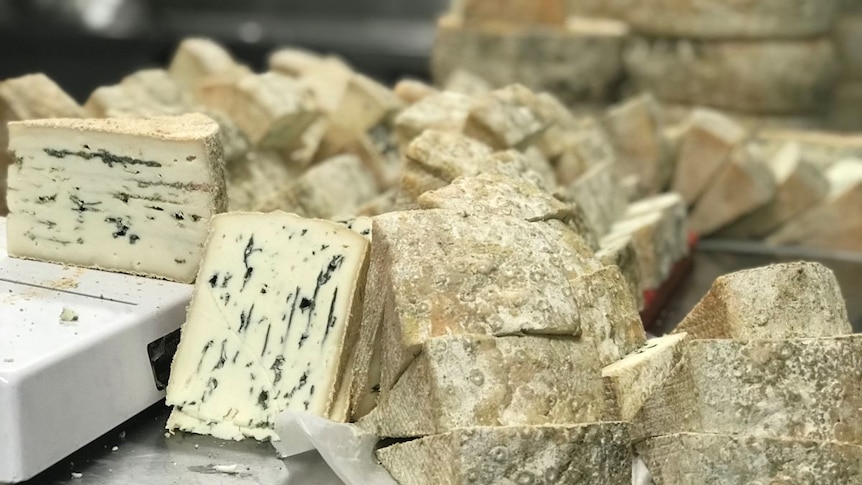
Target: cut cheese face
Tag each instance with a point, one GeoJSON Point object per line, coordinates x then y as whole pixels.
{"type": "Point", "coordinates": [269, 326]}
{"type": "Point", "coordinates": [133, 196]}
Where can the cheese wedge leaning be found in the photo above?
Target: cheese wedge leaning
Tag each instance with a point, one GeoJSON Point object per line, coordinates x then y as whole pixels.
{"type": "Point", "coordinates": [270, 325]}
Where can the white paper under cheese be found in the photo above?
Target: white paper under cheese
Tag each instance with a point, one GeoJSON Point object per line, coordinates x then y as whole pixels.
{"type": "Point", "coordinates": [268, 326]}
{"type": "Point", "coordinates": [125, 195]}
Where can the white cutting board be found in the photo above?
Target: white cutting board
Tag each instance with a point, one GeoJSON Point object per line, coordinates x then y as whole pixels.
{"type": "Point", "coordinates": [65, 383]}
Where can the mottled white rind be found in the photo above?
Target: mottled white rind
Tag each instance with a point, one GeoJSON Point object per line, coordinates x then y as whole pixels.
{"type": "Point", "coordinates": [774, 302]}
{"type": "Point", "coordinates": [503, 195]}
{"type": "Point", "coordinates": [723, 19]}
{"type": "Point", "coordinates": [440, 111]}
{"type": "Point", "coordinates": [465, 381]}
{"type": "Point", "coordinates": [257, 178]}
{"type": "Point", "coordinates": [799, 388]}
{"type": "Point", "coordinates": [718, 459]}
{"type": "Point", "coordinates": [160, 181]}
{"type": "Point", "coordinates": [577, 64]}
{"type": "Point", "coordinates": [448, 273]}
{"type": "Point", "coordinates": [599, 193]}
{"type": "Point", "coordinates": [334, 187]}
{"type": "Point", "coordinates": [748, 76]}
{"type": "Point", "coordinates": [598, 454]}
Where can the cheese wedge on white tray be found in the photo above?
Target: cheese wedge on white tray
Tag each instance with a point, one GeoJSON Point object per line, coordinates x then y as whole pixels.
{"type": "Point", "coordinates": [272, 318]}
{"type": "Point", "coordinates": [127, 195]}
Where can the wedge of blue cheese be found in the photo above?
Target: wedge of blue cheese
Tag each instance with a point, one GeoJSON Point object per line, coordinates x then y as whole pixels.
{"type": "Point", "coordinates": [127, 195]}
{"type": "Point", "coordinates": [270, 325]}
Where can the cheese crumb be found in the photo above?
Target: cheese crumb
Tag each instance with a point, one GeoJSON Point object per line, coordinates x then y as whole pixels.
{"type": "Point", "coordinates": [77, 475]}
{"type": "Point", "coordinates": [68, 315]}
{"type": "Point", "coordinates": [228, 469]}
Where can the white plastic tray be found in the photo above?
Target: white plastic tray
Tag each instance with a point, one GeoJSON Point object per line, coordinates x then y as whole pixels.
{"type": "Point", "coordinates": [65, 383]}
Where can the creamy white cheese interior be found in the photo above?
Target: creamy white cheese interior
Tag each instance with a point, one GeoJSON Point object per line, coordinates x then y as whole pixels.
{"type": "Point", "coordinates": [126, 195]}
{"type": "Point", "coordinates": [269, 326]}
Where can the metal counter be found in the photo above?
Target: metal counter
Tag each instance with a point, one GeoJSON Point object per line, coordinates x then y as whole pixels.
{"type": "Point", "coordinates": [144, 455]}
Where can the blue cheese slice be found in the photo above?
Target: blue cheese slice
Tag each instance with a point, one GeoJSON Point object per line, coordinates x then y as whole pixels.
{"type": "Point", "coordinates": [30, 97]}
{"type": "Point", "coordinates": [269, 326]}
{"type": "Point", "coordinates": [126, 195]}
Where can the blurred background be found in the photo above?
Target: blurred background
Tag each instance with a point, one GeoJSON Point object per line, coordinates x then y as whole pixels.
{"type": "Point", "coordinates": [82, 44]}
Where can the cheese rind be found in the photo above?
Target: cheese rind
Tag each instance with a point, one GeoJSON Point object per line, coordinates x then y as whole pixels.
{"type": "Point", "coordinates": [149, 92]}
{"type": "Point", "coordinates": [743, 185]}
{"type": "Point", "coordinates": [465, 381]}
{"type": "Point", "coordinates": [494, 193]}
{"type": "Point", "coordinates": [827, 224]}
{"type": "Point", "coordinates": [779, 301]}
{"type": "Point", "coordinates": [256, 178]}
{"type": "Point", "coordinates": [273, 316]}
{"type": "Point", "coordinates": [506, 118]}
{"type": "Point", "coordinates": [720, 459]}
{"type": "Point", "coordinates": [723, 19]}
{"type": "Point", "coordinates": [335, 187]}
{"type": "Point", "coordinates": [441, 111]}
{"type": "Point", "coordinates": [635, 130]}
{"type": "Point", "coordinates": [620, 252]}
{"type": "Point", "coordinates": [597, 453]}
{"type": "Point", "coordinates": [599, 194]}
{"type": "Point", "coordinates": [514, 13]}
{"type": "Point", "coordinates": [160, 182]}
{"type": "Point", "coordinates": [656, 228]}
{"type": "Point", "coordinates": [704, 148]}
{"type": "Point", "coordinates": [751, 77]}
{"type": "Point", "coordinates": [575, 63]}
{"type": "Point", "coordinates": [197, 60]}
{"type": "Point", "coordinates": [271, 109]}
{"type": "Point", "coordinates": [451, 274]}
{"type": "Point", "coordinates": [631, 380]}
{"type": "Point", "coordinates": [800, 388]}
{"type": "Point", "coordinates": [800, 186]}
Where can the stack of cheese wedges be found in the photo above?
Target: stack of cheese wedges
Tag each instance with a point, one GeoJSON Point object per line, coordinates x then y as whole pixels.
{"type": "Point", "coordinates": [483, 336]}
{"type": "Point", "coordinates": [531, 42]}
{"type": "Point", "coordinates": [847, 98]}
{"type": "Point", "coordinates": [739, 179]}
{"type": "Point", "coordinates": [739, 56]}
{"type": "Point", "coordinates": [313, 137]}
{"type": "Point", "coordinates": [758, 384]}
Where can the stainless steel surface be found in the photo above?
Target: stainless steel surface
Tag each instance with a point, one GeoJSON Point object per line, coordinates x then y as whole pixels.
{"type": "Point", "coordinates": [146, 456]}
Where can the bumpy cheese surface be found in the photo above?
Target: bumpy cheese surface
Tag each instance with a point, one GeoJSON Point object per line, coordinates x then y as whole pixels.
{"type": "Point", "coordinates": [268, 328]}
{"type": "Point", "coordinates": [125, 195]}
